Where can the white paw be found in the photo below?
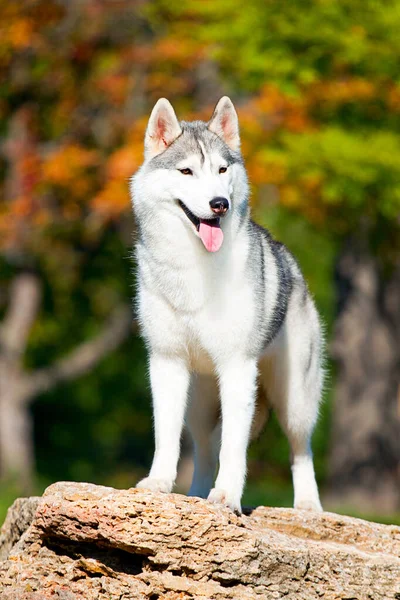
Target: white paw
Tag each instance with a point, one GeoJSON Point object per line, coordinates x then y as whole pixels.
{"type": "Point", "coordinates": [155, 485]}
{"type": "Point", "coordinates": [312, 504]}
{"type": "Point", "coordinates": [220, 496]}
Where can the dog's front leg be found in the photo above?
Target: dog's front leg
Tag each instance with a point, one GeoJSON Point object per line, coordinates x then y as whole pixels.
{"type": "Point", "coordinates": [237, 386]}
{"type": "Point", "coordinates": [169, 378]}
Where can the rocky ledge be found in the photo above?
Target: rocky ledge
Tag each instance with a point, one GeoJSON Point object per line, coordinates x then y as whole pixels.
{"type": "Point", "coordinates": [85, 541]}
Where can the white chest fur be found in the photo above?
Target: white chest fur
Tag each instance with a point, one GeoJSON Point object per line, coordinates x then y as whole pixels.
{"type": "Point", "coordinates": [195, 303]}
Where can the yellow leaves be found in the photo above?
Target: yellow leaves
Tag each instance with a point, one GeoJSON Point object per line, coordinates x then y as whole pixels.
{"type": "Point", "coordinates": [290, 196]}
{"type": "Point", "coordinates": [159, 81]}
{"type": "Point", "coordinates": [297, 120]}
{"type": "Point", "coordinates": [273, 109]}
{"type": "Point", "coordinates": [41, 218]}
{"type": "Point", "coordinates": [27, 172]}
{"type": "Point", "coordinates": [16, 32]}
{"type": "Point", "coordinates": [113, 199]}
{"type": "Point", "coordinates": [174, 49]}
{"type": "Point", "coordinates": [124, 162]}
{"type": "Point", "coordinates": [67, 166]}
{"type": "Point", "coordinates": [296, 198]}
{"type": "Point", "coordinates": [174, 61]}
{"type": "Point", "coordinates": [21, 34]}
{"type": "Point", "coordinates": [394, 98]}
{"type": "Point", "coordinates": [116, 86]}
{"type": "Point", "coordinates": [358, 31]}
{"type": "Point", "coordinates": [15, 219]}
{"type": "Point", "coordinates": [271, 100]}
{"type": "Point", "coordinates": [21, 24]}
{"type": "Point", "coordinates": [22, 206]}
{"type": "Point", "coordinates": [267, 168]}
{"type": "Point", "coordinates": [338, 91]}
{"type": "Point", "coordinates": [312, 182]}
{"type": "Point", "coordinates": [62, 111]}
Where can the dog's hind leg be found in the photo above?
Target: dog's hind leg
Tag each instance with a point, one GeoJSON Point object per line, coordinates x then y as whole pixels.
{"type": "Point", "coordinates": [204, 425]}
{"type": "Point", "coordinates": [294, 391]}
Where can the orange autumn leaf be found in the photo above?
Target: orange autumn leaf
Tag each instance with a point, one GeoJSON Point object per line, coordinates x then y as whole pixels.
{"type": "Point", "coordinates": [112, 200]}
{"type": "Point", "coordinates": [21, 33]}
{"type": "Point", "coordinates": [290, 196]}
{"type": "Point", "coordinates": [22, 207]}
{"type": "Point", "coordinates": [64, 165]}
{"type": "Point", "coordinates": [124, 162]}
{"type": "Point", "coordinates": [116, 86]}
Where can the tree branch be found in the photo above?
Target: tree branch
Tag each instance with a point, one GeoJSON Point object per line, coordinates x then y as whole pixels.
{"type": "Point", "coordinates": [83, 358]}
{"type": "Point", "coordinates": [24, 300]}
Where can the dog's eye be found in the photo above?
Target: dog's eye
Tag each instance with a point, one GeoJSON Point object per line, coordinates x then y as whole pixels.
{"type": "Point", "coordinates": [186, 171]}
{"type": "Point", "coordinates": [222, 170]}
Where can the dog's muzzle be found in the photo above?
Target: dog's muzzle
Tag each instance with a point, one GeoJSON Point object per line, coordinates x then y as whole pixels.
{"type": "Point", "coordinates": [209, 230]}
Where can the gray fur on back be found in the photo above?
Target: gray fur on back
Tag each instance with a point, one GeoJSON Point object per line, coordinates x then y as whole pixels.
{"type": "Point", "coordinates": [267, 253]}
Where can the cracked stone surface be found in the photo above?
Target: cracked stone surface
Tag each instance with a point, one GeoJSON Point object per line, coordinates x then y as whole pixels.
{"type": "Point", "coordinates": [86, 541]}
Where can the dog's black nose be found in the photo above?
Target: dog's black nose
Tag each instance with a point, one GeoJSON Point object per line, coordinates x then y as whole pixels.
{"type": "Point", "coordinates": [219, 206]}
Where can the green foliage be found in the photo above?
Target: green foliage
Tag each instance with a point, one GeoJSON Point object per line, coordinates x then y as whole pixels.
{"type": "Point", "coordinates": [100, 425]}
{"type": "Point", "coordinates": [8, 493]}
{"type": "Point", "coordinates": [292, 43]}
{"type": "Point", "coordinates": [332, 129]}
{"type": "Point", "coordinates": [358, 173]}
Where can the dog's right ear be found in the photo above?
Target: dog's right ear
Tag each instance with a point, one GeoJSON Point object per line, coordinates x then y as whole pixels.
{"type": "Point", "coordinates": [162, 130]}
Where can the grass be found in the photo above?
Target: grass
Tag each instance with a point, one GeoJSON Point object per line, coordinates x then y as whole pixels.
{"type": "Point", "coordinates": [8, 494]}
{"type": "Point", "coordinates": [393, 519]}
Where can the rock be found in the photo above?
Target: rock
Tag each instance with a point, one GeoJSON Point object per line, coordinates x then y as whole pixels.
{"type": "Point", "coordinates": [19, 517]}
{"type": "Point", "coordinates": [87, 541]}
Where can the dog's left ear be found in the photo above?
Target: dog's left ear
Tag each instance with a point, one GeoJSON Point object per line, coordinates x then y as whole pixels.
{"type": "Point", "coordinates": [225, 124]}
{"type": "Point", "coordinates": [162, 130]}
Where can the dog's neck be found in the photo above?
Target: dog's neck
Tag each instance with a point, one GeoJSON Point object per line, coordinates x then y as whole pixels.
{"type": "Point", "coordinates": [172, 258]}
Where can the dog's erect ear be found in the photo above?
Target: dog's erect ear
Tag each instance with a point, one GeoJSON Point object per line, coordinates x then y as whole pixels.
{"type": "Point", "coordinates": [225, 124]}
{"type": "Point", "coordinates": [162, 130]}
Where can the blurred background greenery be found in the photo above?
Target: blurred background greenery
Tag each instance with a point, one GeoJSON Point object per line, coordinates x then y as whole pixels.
{"type": "Point", "coordinates": [316, 85]}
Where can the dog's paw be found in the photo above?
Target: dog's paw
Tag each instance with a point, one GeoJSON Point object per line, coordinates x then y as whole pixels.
{"type": "Point", "coordinates": [220, 496]}
{"type": "Point", "coordinates": [311, 504]}
{"type": "Point", "coordinates": [155, 485]}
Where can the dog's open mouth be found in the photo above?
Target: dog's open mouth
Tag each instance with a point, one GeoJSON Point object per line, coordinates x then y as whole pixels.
{"type": "Point", "coordinates": [209, 230]}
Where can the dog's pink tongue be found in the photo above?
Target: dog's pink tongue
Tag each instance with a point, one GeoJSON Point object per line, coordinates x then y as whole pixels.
{"type": "Point", "coordinates": [211, 235]}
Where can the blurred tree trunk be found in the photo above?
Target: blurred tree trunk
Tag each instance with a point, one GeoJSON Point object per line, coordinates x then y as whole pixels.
{"type": "Point", "coordinates": [16, 448]}
{"type": "Point", "coordinates": [16, 452]}
{"type": "Point", "coordinates": [365, 452]}
{"type": "Point", "coordinates": [18, 387]}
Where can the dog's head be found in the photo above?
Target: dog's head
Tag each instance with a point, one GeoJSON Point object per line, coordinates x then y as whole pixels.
{"type": "Point", "coordinates": [194, 170]}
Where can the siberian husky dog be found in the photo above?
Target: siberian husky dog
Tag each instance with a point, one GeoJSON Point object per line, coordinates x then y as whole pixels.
{"type": "Point", "coordinates": [229, 323]}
